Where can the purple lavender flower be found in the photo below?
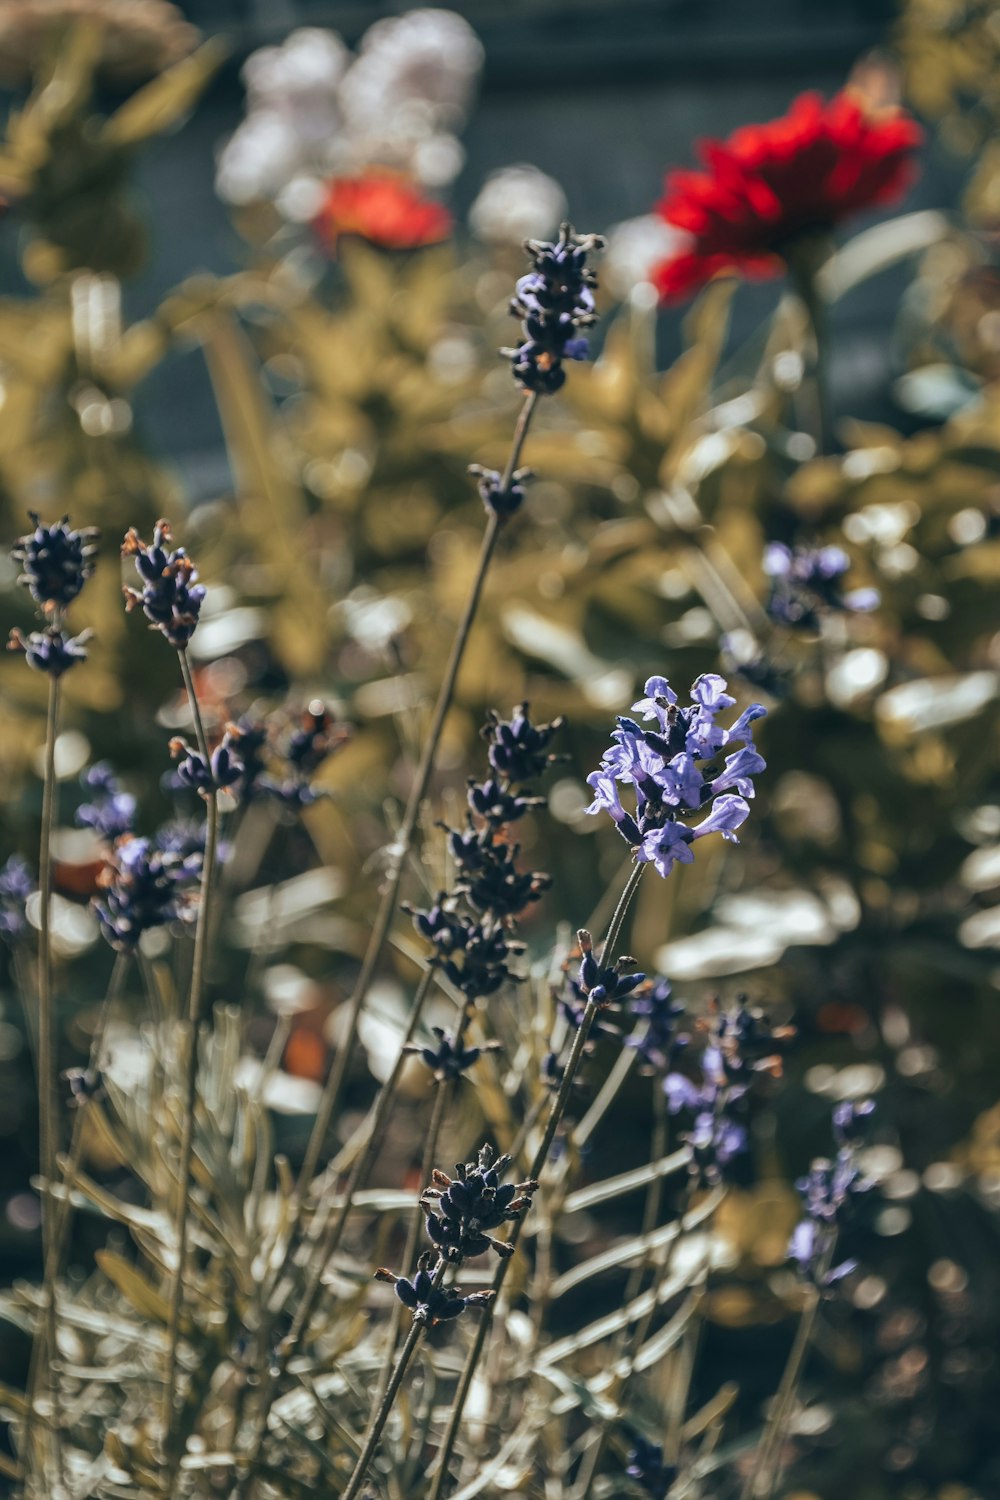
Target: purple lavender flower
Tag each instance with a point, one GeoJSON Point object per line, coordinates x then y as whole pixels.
{"type": "Point", "coordinates": [519, 749]}
{"type": "Point", "coordinates": [502, 502]}
{"type": "Point", "coordinates": [666, 767]}
{"type": "Point", "coordinates": [470, 1205]}
{"type": "Point", "coordinates": [16, 884]}
{"type": "Point", "coordinates": [830, 1193]}
{"type": "Point", "coordinates": [50, 650]}
{"type": "Point", "coordinates": [604, 984]}
{"type": "Point", "coordinates": [554, 301]}
{"type": "Point", "coordinates": [222, 770]}
{"type": "Point", "coordinates": [658, 1043]}
{"type": "Point", "coordinates": [171, 596]}
{"type": "Point", "coordinates": [450, 1058]}
{"type": "Point", "coordinates": [805, 584]}
{"type": "Point", "coordinates": [56, 562]}
{"type": "Point", "coordinates": [647, 1466]}
{"type": "Point", "coordinates": [429, 1303]}
{"type": "Point", "coordinates": [144, 889]}
{"type": "Point", "coordinates": [111, 812]}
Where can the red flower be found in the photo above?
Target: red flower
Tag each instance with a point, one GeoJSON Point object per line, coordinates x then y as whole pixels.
{"type": "Point", "coordinates": [384, 209]}
{"type": "Point", "coordinates": [769, 183]}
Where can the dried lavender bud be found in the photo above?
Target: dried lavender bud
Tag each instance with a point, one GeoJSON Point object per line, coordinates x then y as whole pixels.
{"type": "Point", "coordinates": [489, 482]}
{"type": "Point", "coordinates": [518, 748]}
{"type": "Point", "coordinates": [86, 1086]}
{"type": "Point", "coordinates": [223, 769]}
{"type": "Point", "coordinates": [472, 1204]}
{"type": "Point", "coordinates": [51, 650]}
{"type": "Point", "coordinates": [56, 561]}
{"type": "Point", "coordinates": [604, 985]}
{"type": "Point", "coordinates": [555, 302]}
{"type": "Point", "coordinates": [805, 585]}
{"type": "Point", "coordinates": [497, 804]}
{"type": "Point", "coordinates": [450, 1058]}
{"type": "Point", "coordinates": [170, 596]}
{"type": "Point", "coordinates": [429, 1303]}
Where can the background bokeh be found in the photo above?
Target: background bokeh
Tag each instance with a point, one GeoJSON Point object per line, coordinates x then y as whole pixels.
{"type": "Point", "coordinates": [172, 343]}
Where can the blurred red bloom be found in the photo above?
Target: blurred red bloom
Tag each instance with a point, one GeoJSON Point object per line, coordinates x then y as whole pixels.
{"type": "Point", "coordinates": [384, 209]}
{"type": "Point", "coordinates": [768, 184]}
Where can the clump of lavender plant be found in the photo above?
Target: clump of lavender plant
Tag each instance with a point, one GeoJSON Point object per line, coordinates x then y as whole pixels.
{"type": "Point", "coordinates": [670, 768]}
{"type": "Point", "coordinates": [431, 1304]}
{"type": "Point", "coordinates": [805, 584]}
{"type": "Point", "coordinates": [146, 886]}
{"type": "Point", "coordinates": [472, 1204]}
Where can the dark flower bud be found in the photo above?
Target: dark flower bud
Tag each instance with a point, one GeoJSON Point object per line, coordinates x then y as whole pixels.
{"type": "Point", "coordinates": [470, 1205]}
{"type": "Point", "coordinates": [86, 1086]}
{"type": "Point", "coordinates": [56, 561]}
{"type": "Point", "coordinates": [450, 1058]}
{"type": "Point", "coordinates": [429, 1303]}
{"type": "Point", "coordinates": [170, 596]}
{"type": "Point", "coordinates": [518, 748]}
{"type": "Point", "coordinates": [50, 650]}
{"type": "Point", "coordinates": [498, 499]}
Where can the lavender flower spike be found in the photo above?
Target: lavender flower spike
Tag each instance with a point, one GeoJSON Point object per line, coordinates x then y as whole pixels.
{"type": "Point", "coordinates": [669, 766]}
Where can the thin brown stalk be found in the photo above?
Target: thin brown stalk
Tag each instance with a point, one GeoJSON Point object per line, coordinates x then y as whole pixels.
{"type": "Point", "coordinates": [190, 1072]}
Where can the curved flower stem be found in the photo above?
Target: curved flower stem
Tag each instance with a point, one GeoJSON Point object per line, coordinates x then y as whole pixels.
{"type": "Point", "coordinates": [385, 1407]}
{"type": "Point", "coordinates": [650, 1215]}
{"type": "Point", "coordinates": [44, 1360]}
{"type": "Point", "coordinates": [440, 1110]}
{"type": "Point", "coordinates": [404, 839]}
{"type": "Point", "coordinates": [762, 1481]}
{"type": "Point", "coordinates": [541, 1155]}
{"type": "Point", "coordinates": [194, 1016]}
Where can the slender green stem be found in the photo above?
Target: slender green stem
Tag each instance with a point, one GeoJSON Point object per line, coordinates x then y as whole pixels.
{"type": "Point", "coordinates": [46, 1371]}
{"type": "Point", "coordinates": [328, 1238]}
{"type": "Point", "coordinates": [650, 1215]}
{"type": "Point", "coordinates": [541, 1155]}
{"type": "Point", "coordinates": [762, 1480]}
{"type": "Point", "coordinates": [194, 1015]}
{"type": "Point", "coordinates": [440, 1110]}
{"type": "Point", "coordinates": [404, 839]}
{"type": "Point", "coordinates": [328, 1245]}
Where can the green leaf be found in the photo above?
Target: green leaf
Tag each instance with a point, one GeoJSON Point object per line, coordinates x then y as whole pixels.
{"type": "Point", "coordinates": [133, 1286]}
{"type": "Point", "coordinates": [165, 101]}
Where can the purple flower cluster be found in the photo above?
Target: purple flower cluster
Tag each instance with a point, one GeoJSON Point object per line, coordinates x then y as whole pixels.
{"type": "Point", "coordinates": [450, 1057]}
{"type": "Point", "coordinates": [16, 884]}
{"type": "Point", "coordinates": [829, 1196]}
{"type": "Point", "coordinates": [283, 769]}
{"type": "Point", "coordinates": [665, 767]}
{"type": "Point", "coordinates": [471, 929]}
{"type": "Point", "coordinates": [740, 1043]}
{"type": "Point", "coordinates": [171, 596]}
{"type": "Point", "coordinates": [56, 562]}
{"type": "Point", "coordinates": [650, 1470]}
{"type": "Point", "coordinates": [806, 583]}
{"type": "Point", "coordinates": [51, 650]}
{"type": "Point", "coordinates": [471, 1204]}
{"type": "Point", "coordinates": [554, 301]}
{"type": "Point", "coordinates": [111, 811]}
{"type": "Point", "coordinates": [428, 1302]}
{"type": "Point", "coordinates": [146, 886]}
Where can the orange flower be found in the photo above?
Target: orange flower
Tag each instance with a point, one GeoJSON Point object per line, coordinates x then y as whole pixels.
{"type": "Point", "coordinates": [383, 208]}
{"type": "Point", "coordinates": [768, 184]}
